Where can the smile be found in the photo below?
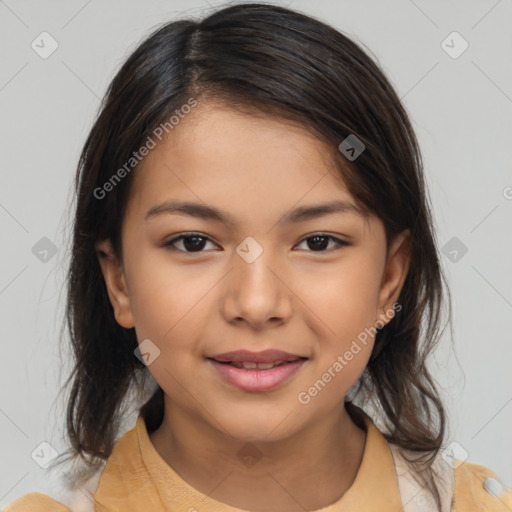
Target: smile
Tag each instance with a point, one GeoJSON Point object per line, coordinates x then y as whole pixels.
{"type": "Point", "coordinates": [252, 376]}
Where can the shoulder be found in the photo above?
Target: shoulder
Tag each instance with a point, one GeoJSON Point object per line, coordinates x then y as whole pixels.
{"type": "Point", "coordinates": [478, 486]}
{"type": "Point", "coordinates": [36, 502]}
{"type": "Point", "coordinates": [79, 499]}
{"type": "Point", "coordinates": [463, 486]}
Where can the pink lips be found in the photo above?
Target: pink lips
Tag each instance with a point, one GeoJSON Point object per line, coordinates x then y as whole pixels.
{"type": "Point", "coordinates": [256, 379]}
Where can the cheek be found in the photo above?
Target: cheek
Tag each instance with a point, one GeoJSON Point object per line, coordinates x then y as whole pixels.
{"type": "Point", "coordinates": [347, 304]}
{"type": "Point", "coordinates": [169, 308]}
{"type": "Point", "coordinates": [345, 298]}
{"type": "Point", "coordinates": [165, 298]}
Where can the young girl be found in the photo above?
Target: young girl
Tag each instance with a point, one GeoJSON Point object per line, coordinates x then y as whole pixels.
{"type": "Point", "coordinates": [254, 264]}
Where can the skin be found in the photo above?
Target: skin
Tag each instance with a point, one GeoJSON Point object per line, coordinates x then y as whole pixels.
{"type": "Point", "coordinates": [295, 296]}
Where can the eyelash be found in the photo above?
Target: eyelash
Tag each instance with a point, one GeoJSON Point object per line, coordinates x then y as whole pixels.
{"type": "Point", "coordinates": [340, 243]}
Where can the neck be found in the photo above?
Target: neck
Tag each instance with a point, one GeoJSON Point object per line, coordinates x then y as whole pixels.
{"type": "Point", "coordinates": [263, 475]}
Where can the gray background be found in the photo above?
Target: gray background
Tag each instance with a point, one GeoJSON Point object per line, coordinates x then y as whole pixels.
{"type": "Point", "coordinates": [460, 108]}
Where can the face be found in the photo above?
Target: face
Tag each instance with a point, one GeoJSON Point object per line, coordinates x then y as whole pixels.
{"type": "Point", "coordinates": [266, 272]}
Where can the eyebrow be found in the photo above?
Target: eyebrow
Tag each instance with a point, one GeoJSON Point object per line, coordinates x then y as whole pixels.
{"type": "Point", "coordinates": [206, 212]}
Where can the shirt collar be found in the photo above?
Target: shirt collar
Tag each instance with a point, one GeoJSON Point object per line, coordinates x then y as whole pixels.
{"type": "Point", "coordinates": [136, 475]}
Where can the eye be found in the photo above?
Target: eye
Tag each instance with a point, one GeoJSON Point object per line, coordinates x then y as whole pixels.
{"type": "Point", "coordinates": [192, 242]}
{"type": "Point", "coordinates": [195, 242]}
{"type": "Point", "coordinates": [318, 242]}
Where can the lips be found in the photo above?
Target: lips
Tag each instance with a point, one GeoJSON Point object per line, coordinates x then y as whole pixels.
{"type": "Point", "coordinates": [266, 356]}
{"type": "Point", "coordinates": [258, 380]}
{"type": "Point", "coordinates": [257, 371]}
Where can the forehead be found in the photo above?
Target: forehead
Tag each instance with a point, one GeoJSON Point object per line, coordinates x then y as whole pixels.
{"type": "Point", "coordinates": [245, 162]}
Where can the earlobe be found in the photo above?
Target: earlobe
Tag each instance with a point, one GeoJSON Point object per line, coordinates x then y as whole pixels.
{"type": "Point", "coordinates": [395, 273]}
{"type": "Point", "coordinates": [115, 282]}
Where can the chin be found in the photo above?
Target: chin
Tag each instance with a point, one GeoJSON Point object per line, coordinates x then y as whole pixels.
{"type": "Point", "coordinates": [260, 424]}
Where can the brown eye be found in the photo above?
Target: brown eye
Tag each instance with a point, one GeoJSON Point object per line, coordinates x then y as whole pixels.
{"type": "Point", "coordinates": [320, 242]}
{"type": "Point", "coordinates": [189, 242]}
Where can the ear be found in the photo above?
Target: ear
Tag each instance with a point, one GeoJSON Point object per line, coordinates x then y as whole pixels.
{"type": "Point", "coordinates": [115, 281]}
{"type": "Point", "coordinates": [397, 266]}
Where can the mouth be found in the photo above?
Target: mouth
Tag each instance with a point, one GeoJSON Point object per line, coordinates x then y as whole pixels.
{"type": "Point", "coordinates": [273, 356]}
{"type": "Point", "coordinates": [256, 376]}
{"type": "Point", "coordinates": [251, 365]}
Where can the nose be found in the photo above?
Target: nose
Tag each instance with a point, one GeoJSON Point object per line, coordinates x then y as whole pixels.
{"type": "Point", "coordinates": [257, 292]}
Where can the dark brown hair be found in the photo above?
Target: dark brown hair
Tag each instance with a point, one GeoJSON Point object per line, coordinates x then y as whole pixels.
{"type": "Point", "coordinates": [278, 62]}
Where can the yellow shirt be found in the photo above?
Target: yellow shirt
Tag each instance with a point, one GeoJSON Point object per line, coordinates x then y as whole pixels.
{"type": "Point", "coordinates": [136, 478]}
